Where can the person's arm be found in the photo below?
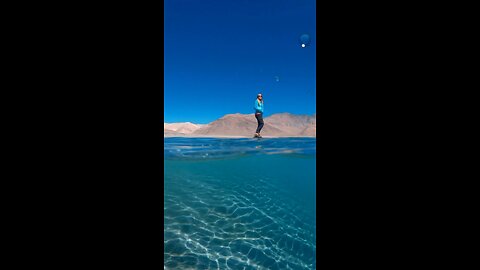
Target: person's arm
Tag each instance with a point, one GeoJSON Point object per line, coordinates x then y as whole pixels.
{"type": "Point", "coordinates": [257, 107]}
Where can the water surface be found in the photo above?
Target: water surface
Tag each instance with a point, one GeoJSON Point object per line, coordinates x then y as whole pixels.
{"type": "Point", "coordinates": [239, 203]}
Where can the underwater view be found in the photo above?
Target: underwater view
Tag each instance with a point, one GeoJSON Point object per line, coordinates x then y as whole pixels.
{"type": "Point", "coordinates": [239, 203]}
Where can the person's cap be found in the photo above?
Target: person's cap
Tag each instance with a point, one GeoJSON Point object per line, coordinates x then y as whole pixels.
{"type": "Point", "coordinates": [259, 95]}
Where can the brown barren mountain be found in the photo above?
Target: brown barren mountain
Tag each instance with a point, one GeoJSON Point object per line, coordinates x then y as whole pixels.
{"type": "Point", "coordinates": [294, 125]}
{"type": "Point", "coordinates": [236, 125]}
{"type": "Point", "coordinates": [310, 131]}
{"type": "Point", "coordinates": [244, 125]}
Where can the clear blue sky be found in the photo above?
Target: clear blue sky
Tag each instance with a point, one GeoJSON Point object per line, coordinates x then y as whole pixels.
{"type": "Point", "coordinates": [220, 53]}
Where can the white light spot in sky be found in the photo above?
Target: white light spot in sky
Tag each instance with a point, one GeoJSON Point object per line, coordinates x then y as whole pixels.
{"type": "Point", "coordinates": [304, 40]}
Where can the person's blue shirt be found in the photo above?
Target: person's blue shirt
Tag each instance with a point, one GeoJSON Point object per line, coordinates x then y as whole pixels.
{"type": "Point", "coordinates": [258, 106]}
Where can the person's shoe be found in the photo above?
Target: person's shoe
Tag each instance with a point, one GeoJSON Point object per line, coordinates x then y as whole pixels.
{"type": "Point", "coordinates": [259, 136]}
{"type": "Point", "coordinates": [256, 135]}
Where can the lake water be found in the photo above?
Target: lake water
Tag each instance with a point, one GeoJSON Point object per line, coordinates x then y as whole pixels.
{"type": "Point", "coordinates": [239, 203]}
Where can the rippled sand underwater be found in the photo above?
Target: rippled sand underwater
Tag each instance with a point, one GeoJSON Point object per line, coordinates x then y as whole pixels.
{"type": "Point", "coordinates": [239, 203]}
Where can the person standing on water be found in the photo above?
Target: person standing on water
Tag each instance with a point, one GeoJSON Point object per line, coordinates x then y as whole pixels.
{"type": "Point", "coordinates": [259, 115]}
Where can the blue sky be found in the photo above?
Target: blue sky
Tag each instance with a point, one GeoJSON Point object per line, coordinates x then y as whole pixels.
{"type": "Point", "coordinates": [220, 54]}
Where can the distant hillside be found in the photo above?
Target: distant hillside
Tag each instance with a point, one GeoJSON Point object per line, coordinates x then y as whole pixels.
{"type": "Point", "coordinates": [277, 125]}
{"type": "Point", "coordinates": [293, 124]}
{"type": "Point", "coordinates": [185, 128]}
{"type": "Point", "coordinates": [236, 125]}
{"type": "Point", "coordinates": [171, 133]}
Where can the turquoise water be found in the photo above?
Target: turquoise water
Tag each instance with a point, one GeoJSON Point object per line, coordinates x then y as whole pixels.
{"type": "Point", "coordinates": [239, 203]}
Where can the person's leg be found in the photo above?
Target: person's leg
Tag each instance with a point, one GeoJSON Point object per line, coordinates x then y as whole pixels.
{"type": "Point", "coordinates": [260, 123]}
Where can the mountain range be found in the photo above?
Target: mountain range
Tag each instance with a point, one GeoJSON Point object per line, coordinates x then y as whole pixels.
{"type": "Point", "coordinates": [244, 125]}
